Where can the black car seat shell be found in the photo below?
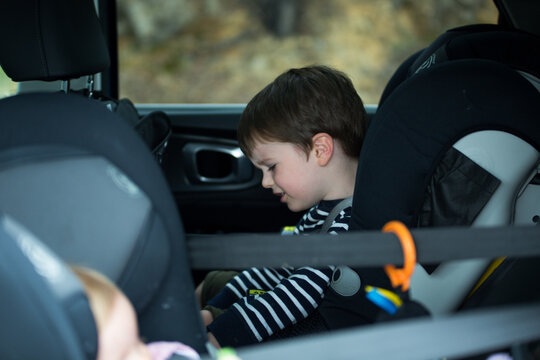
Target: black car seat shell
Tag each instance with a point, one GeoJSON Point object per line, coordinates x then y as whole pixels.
{"type": "Point", "coordinates": [410, 65]}
{"type": "Point", "coordinates": [447, 114]}
{"type": "Point", "coordinates": [83, 181]}
{"type": "Point", "coordinates": [482, 41]}
{"type": "Point", "coordinates": [473, 88]}
{"type": "Point", "coordinates": [424, 133]}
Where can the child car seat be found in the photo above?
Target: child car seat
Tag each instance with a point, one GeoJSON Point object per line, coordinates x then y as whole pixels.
{"type": "Point", "coordinates": [59, 154]}
{"type": "Point", "coordinates": [455, 143]}
{"type": "Point", "coordinates": [85, 183]}
{"type": "Point", "coordinates": [44, 307]}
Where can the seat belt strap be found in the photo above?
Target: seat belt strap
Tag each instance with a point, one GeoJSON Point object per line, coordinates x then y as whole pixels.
{"type": "Point", "coordinates": [366, 248]}
{"type": "Point", "coordinates": [334, 213]}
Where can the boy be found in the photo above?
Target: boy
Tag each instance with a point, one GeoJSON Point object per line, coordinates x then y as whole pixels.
{"type": "Point", "coordinates": [304, 131]}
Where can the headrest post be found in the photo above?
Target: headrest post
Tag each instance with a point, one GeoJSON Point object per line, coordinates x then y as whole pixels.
{"type": "Point", "coordinates": [90, 85]}
{"type": "Point", "coordinates": [66, 86]}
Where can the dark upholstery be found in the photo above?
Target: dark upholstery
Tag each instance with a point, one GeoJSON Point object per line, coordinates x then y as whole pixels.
{"type": "Point", "coordinates": [469, 79]}
{"type": "Point", "coordinates": [486, 41]}
{"type": "Point", "coordinates": [51, 40]}
{"type": "Point", "coordinates": [469, 85]}
{"type": "Point", "coordinates": [81, 179]}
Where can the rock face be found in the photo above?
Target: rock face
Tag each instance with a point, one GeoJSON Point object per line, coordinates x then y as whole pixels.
{"type": "Point", "coordinates": [224, 51]}
{"type": "Point", "coordinates": [153, 21]}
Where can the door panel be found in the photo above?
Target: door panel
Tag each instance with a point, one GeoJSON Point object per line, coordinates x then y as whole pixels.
{"type": "Point", "coordinates": [217, 189]}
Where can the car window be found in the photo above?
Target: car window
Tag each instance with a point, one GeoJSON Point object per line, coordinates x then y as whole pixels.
{"type": "Point", "coordinates": [224, 51]}
{"type": "Point", "coordinates": [7, 87]}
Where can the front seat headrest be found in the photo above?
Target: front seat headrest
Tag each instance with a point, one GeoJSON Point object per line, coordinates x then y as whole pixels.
{"type": "Point", "coordinates": [53, 40]}
{"type": "Point", "coordinates": [44, 309]}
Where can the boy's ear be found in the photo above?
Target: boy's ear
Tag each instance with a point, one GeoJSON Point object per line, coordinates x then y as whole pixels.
{"type": "Point", "coordinates": [323, 148]}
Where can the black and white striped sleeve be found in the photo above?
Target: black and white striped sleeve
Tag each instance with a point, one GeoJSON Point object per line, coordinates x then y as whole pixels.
{"type": "Point", "coordinates": [258, 317]}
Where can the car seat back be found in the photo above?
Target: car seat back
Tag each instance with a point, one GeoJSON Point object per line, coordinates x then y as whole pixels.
{"type": "Point", "coordinates": [82, 180]}
{"type": "Point", "coordinates": [44, 307]}
{"type": "Point", "coordinates": [63, 40]}
{"type": "Point", "coordinates": [475, 101]}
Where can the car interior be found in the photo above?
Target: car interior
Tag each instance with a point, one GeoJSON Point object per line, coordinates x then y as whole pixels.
{"type": "Point", "coordinates": [452, 152]}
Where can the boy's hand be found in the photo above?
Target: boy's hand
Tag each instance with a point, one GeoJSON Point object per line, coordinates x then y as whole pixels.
{"type": "Point", "coordinates": [207, 317]}
{"type": "Point", "coordinates": [213, 340]}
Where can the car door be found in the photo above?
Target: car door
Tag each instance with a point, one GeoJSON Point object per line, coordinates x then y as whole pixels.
{"type": "Point", "coordinates": [216, 187]}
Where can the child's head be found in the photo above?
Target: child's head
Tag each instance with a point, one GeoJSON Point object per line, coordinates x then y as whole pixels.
{"type": "Point", "coordinates": [304, 131]}
{"type": "Point", "coordinates": [116, 321]}
{"type": "Point", "coordinates": [301, 103]}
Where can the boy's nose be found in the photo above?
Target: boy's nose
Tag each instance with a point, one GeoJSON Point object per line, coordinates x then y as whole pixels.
{"type": "Point", "coordinates": [267, 181]}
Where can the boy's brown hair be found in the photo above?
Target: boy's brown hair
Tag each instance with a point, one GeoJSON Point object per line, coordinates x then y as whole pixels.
{"type": "Point", "coordinates": [301, 103]}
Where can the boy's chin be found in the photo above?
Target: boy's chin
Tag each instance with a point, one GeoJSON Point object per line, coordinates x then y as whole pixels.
{"type": "Point", "coordinates": [297, 207]}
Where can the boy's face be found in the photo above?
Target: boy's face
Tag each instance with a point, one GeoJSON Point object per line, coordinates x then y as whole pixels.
{"type": "Point", "coordinates": [291, 175]}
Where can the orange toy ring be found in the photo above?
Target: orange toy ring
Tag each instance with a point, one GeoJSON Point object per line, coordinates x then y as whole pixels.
{"type": "Point", "coordinates": [401, 276]}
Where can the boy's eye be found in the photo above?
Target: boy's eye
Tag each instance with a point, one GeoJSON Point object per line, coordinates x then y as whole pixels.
{"type": "Point", "coordinates": [272, 167]}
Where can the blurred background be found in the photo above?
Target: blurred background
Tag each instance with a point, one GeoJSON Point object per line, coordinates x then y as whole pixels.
{"type": "Point", "coordinates": [225, 51]}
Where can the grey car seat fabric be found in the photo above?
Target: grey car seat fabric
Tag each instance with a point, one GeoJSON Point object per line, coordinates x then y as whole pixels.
{"type": "Point", "coordinates": [83, 181]}
{"type": "Point", "coordinates": [45, 312]}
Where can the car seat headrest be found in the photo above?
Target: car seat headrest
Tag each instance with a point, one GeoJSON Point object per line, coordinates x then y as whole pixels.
{"type": "Point", "coordinates": [419, 122]}
{"type": "Point", "coordinates": [44, 307]}
{"type": "Point", "coordinates": [51, 40]}
{"type": "Point", "coordinates": [517, 49]}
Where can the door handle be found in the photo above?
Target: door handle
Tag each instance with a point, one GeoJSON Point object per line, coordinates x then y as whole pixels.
{"type": "Point", "coordinates": [215, 164]}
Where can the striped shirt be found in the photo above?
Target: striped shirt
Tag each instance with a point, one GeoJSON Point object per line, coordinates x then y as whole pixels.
{"type": "Point", "coordinates": [262, 301]}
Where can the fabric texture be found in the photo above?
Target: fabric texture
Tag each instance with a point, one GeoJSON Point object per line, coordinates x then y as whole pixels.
{"type": "Point", "coordinates": [263, 301]}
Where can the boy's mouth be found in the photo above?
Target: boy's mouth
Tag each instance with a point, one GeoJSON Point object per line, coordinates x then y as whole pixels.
{"type": "Point", "coordinates": [281, 195]}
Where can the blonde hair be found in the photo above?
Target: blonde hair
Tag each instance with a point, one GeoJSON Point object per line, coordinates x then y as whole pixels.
{"type": "Point", "coordinates": [101, 293]}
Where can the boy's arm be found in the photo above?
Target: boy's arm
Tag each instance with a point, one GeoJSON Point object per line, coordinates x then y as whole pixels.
{"type": "Point", "coordinates": [255, 318]}
{"type": "Point", "coordinates": [247, 281]}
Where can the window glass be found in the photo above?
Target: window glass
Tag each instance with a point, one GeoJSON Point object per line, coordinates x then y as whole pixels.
{"type": "Point", "coordinates": [7, 87]}
{"type": "Point", "coordinates": [224, 51]}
